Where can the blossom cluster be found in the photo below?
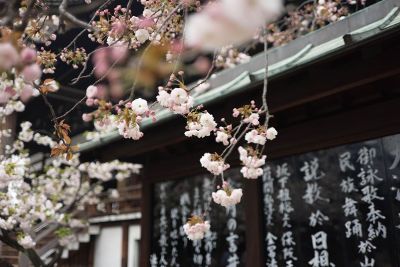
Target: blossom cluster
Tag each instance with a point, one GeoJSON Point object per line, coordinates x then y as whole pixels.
{"type": "Point", "coordinates": [227, 196]}
{"type": "Point", "coordinates": [214, 163]}
{"type": "Point", "coordinates": [307, 18]}
{"type": "Point", "coordinates": [229, 57]}
{"type": "Point", "coordinates": [252, 163]}
{"type": "Point", "coordinates": [19, 78]}
{"type": "Point", "coordinates": [200, 124]}
{"type": "Point", "coordinates": [55, 193]}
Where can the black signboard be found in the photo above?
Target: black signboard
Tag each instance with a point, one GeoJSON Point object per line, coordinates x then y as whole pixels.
{"type": "Point", "coordinates": [335, 207]}
{"type": "Point", "coordinates": [174, 202]}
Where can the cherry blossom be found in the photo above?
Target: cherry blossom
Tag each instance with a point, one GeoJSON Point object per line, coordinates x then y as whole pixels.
{"type": "Point", "coordinates": [128, 131]}
{"type": "Point", "coordinates": [9, 56]}
{"type": "Point", "coordinates": [196, 228]}
{"type": "Point", "coordinates": [26, 134]}
{"type": "Point", "coordinates": [177, 101]}
{"type": "Point", "coordinates": [91, 91]}
{"type": "Point", "coordinates": [231, 24]}
{"type": "Point", "coordinates": [271, 133]}
{"type": "Point", "coordinates": [223, 136]}
{"type": "Point", "coordinates": [227, 196]}
{"type": "Point", "coordinates": [252, 163]}
{"type": "Point", "coordinates": [200, 124]}
{"type": "Point", "coordinates": [26, 241]}
{"type": "Point", "coordinates": [253, 118]}
{"type": "Point", "coordinates": [31, 73]}
{"type": "Point", "coordinates": [142, 35]}
{"type": "Point", "coordinates": [139, 106]}
{"type": "Point", "coordinates": [12, 169]}
{"type": "Point", "coordinates": [213, 163]}
{"type": "Point", "coordinates": [256, 136]}
{"type": "Point", "coordinates": [28, 55]}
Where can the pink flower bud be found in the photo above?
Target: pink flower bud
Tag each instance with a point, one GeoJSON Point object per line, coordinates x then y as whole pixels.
{"type": "Point", "coordinates": [89, 102]}
{"type": "Point", "coordinates": [28, 55]}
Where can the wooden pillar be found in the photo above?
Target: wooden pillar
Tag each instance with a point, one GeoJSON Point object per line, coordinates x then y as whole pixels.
{"type": "Point", "coordinates": [125, 244]}
{"type": "Point", "coordinates": [254, 227]}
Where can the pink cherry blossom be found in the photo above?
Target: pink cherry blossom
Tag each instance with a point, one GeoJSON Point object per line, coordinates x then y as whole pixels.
{"type": "Point", "coordinates": [118, 52]}
{"type": "Point", "coordinates": [179, 95]}
{"type": "Point", "coordinates": [222, 137]}
{"type": "Point", "coordinates": [28, 55]}
{"type": "Point", "coordinates": [227, 196]}
{"type": "Point", "coordinates": [145, 23]}
{"type": "Point", "coordinates": [201, 127]}
{"type": "Point", "coordinates": [118, 27]}
{"type": "Point", "coordinates": [129, 132]}
{"type": "Point", "coordinates": [256, 137]}
{"type": "Point", "coordinates": [253, 119]}
{"type": "Point", "coordinates": [8, 56]}
{"type": "Point", "coordinates": [26, 92]}
{"type": "Point", "coordinates": [227, 22]}
{"type": "Point", "coordinates": [213, 163]}
{"type": "Point", "coordinates": [196, 231]}
{"type": "Point", "coordinates": [251, 164]}
{"type": "Point", "coordinates": [31, 73]}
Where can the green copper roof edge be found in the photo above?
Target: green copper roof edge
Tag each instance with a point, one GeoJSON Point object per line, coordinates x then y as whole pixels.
{"type": "Point", "coordinates": [365, 32]}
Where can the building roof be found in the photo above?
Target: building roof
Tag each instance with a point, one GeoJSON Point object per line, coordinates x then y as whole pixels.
{"type": "Point", "coordinates": [365, 25]}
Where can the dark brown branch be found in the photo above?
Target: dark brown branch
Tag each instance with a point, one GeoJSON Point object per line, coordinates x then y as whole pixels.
{"type": "Point", "coordinates": [30, 253]}
{"type": "Point", "coordinates": [71, 18]}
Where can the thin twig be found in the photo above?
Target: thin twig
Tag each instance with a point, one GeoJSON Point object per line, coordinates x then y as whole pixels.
{"type": "Point", "coordinates": [71, 109]}
{"type": "Point", "coordinates": [71, 18]}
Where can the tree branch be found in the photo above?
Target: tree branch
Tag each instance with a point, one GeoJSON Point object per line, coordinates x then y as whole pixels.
{"type": "Point", "coordinates": [71, 18]}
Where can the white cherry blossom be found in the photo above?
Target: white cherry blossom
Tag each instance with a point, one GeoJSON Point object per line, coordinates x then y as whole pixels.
{"type": "Point", "coordinates": [139, 106]}
{"type": "Point", "coordinates": [213, 163]}
{"type": "Point", "coordinates": [251, 164]}
{"type": "Point", "coordinates": [196, 228]}
{"type": "Point", "coordinates": [227, 196]}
